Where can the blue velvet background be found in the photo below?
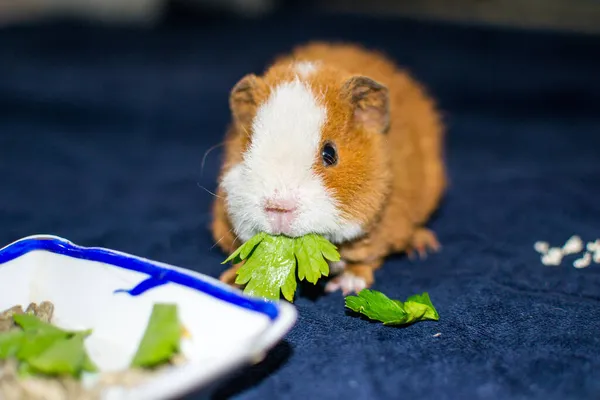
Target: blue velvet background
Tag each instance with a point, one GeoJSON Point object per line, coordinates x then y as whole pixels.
{"type": "Point", "coordinates": [102, 138]}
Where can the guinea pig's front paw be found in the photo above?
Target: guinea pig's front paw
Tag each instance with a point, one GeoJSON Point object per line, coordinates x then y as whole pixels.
{"type": "Point", "coordinates": [229, 275]}
{"type": "Point", "coordinates": [355, 278]}
{"type": "Point", "coordinates": [337, 267]}
{"type": "Point", "coordinates": [365, 250]}
{"type": "Point", "coordinates": [347, 282]}
{"type": "Point", "coordinates": [422, 241]}
{"type": "Point", "coordinates": [357, 252]}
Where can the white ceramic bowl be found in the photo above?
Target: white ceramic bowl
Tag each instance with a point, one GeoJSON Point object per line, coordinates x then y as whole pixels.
{"type": "Point", "coordinates": [113, 293]}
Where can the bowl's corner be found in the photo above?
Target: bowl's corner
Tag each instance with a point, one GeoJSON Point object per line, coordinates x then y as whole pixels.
{"type": "Point", "coordinates": [281, 326]}
{"type": "Point", "coordinates": [37, 237]}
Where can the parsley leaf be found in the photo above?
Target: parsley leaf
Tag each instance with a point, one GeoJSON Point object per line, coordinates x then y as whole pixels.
{"type": "Point", "coordinates": [377, 306]}
{"type": "Point", "coordinates": [310, 250]}
{"type": "Point", "coordinates": [10, 342]}
{"type": "Point", "coordinates": [421, 307]}
{"type": "Point", "coordinates": [245, 249]}
{"type": "Point", "coordinates": [43, 348]}
{"type": "Point", "coordinates": [35, 343]}
{"type": "Point", "coordinates": [271, 268]}
{"type": "Point", "coordinates": [31, 323]}
{"type": "Point", "coordinates": [62, 357]}
{"type": "Point", "coordinates": [161, 337]}
{"type": "Point", "coordinates": [328, 250]}
{"type": "Point", "coordinates": [270, 263]}
{"type": "Point", "coordinates": [88, 365]}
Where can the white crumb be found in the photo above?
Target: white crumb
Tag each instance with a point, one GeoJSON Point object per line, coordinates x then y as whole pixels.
{"type": "Point", "coordinates": [590, 246]}
{"type": "Point", "coordinates": [573, 245]}
{"type": "Point", "coordinates": [541, 247]}
{"type": "Point", "coordinates": [584, 261]}
{"type": "Point", "coordinates": [437, 334]}
{"type": "Point", "coordinates": [553, 257]}
{"type": "Point", "coordinates": [593, 246]}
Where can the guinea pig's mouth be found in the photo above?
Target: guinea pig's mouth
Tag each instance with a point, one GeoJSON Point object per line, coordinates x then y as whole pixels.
{"type": "Point", "coordinates": [281, 214]}
{"type": "Point", "coordinates": [281, 210]}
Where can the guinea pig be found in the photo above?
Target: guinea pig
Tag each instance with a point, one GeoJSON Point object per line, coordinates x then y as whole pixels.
{"type": "Point", "coordinates": [336, 140]}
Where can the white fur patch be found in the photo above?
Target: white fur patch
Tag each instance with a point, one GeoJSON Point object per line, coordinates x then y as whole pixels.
{"type": "Point", "coordinates": [336, 267]}
{"type": "Point", "coordinates": [305, 68]}
{"type": "Point", "coordinates": [286, 137]}
{"type": "Point", "coordinates": [347, 282]}
{"type": "Point", "coordinates": [350, 231]}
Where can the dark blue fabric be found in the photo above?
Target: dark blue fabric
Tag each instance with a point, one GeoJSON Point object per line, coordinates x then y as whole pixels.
{"type": "Point", "coordinates": [103, 138]}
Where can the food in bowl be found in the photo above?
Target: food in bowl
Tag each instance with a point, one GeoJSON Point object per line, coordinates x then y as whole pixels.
{"type": "Point", "coordinates": [41, 361]}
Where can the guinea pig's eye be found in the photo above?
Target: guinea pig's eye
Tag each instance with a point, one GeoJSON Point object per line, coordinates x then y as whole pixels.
{"type": "Point", "coordinates": [329, 154]}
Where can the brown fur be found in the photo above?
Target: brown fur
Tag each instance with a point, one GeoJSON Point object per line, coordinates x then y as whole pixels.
{"type": "Point", "coordinates": [391, 181]}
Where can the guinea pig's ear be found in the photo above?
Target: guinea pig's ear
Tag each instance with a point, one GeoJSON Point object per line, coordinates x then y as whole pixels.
{"type": "Point", "coordinates": [370, 102]}
{"type": "Point", "coordinates": [243, 98]}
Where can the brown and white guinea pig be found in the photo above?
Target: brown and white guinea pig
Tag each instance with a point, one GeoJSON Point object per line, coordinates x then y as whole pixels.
{"type": "Point", "coordinates": [336, 140]}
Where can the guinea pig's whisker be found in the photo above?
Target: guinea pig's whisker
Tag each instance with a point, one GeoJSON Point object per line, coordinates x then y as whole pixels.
{"type": "Point", "coordinates": [207, 152]}
{"type": "Point", "coordinates": [209, 192]}
{"type": "Point", "coordinates": [218, 241]}
{"type": "Point", "coordinates": [245, 131]}
{"type": "Point", "coordinates": [323, 93]}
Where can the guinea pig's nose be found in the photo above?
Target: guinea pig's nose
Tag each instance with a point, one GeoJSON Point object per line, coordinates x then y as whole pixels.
{"type": "Point", "coordinates": [280, 205]}
{"type": "Point", "coordinates": [280, 214]}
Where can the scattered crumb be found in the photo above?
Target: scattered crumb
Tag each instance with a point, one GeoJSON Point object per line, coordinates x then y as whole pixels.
{"type": "Point", "coordinates": [573, 245]}
{"type": "Point", "coordinates": [584, 261]}
{"type": "Point", "coordinates": [592, 246]}
{"type": "Point", "coordinates": [185, 333]}
{"type": "Point", "coordinates": [541, 247]}
{"type": "Point", "coordinates": [437, 334]}
{"type": "Point", "coordinates": [553, 257]}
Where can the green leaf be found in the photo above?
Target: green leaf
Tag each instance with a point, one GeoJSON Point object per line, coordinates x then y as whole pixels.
{"type": "Point", "coordinates": [63, 357]}
{"type": "Point", "coordinates": [24, 370]}
{"type": "Point", "coordinates": [377, 306]}
{"type": "Point", "coordinates": [423, 300]}
{"type": "Point", "coordinates": [328, 250]}
{"type": "Point", "coordinates": [10, 342]}
{"type": "Point", "coordinates": [43, 348]}
{"type": "Point", "coordinates": [311, 264]}
{"type": "Point", "coordinates": [88, 365]}
{"type": "Point", "coordinates": [32, 323]}
{"type": "Point", "coordinates": [35, 343]}
{"type": "Point", "coordinates": [271, 261]}
{"type": "Point", "coordinates": [245, 249]}
{"type": "Point", "coordinates": [271, 269]}
{"type": "Point", "coordinates": [161, 338]}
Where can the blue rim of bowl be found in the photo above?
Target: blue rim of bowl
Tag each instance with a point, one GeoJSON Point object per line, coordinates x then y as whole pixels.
{"type": "Point", "coordinates": [118, 259]}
